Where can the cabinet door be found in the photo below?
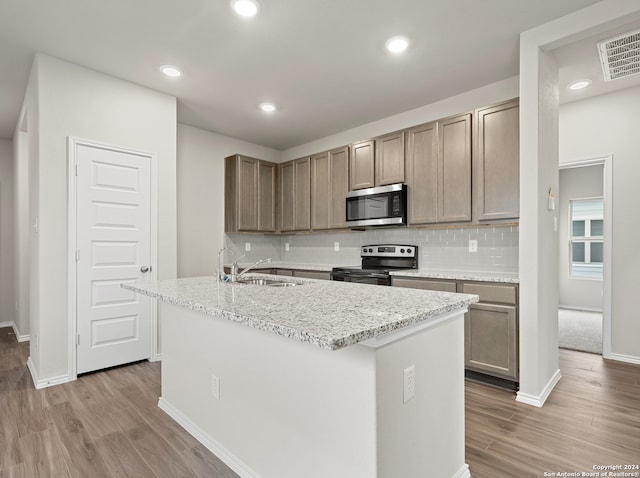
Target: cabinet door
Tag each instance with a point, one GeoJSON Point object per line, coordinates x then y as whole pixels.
{"type": "Point", "coordinates": [286, 196]}
{"type": "Point", "coordinates": [422, 174]}
{"type": "Point", "coordinates": [490, 340]}
{"type": "Point", "coordinates": [320, 191]}
{"type": "Point", "coordinates": [454, 169]}
{"type": "Point", "coordinates": [389, 159]}
{"type": "Point", "coordinates": [302, 194]}
{"type": "Point", "coordinates": [339, 187]}
{"type": "Point", "coordinates": [247, 199]}
{"type": "Point", "coordinates": [362, 165]}
{"type": "Point", "coordinates": [497, 162]}
{"type": "Point", "coordinates": [267, 196]}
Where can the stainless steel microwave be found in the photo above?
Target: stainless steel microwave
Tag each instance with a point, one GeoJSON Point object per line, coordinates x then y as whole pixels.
{"type": "Point", "coordinates": [381, 206]}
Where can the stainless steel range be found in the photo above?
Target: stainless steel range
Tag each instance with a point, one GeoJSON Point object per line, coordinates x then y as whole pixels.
{"type": "Point", "coordinates": [377, 262]}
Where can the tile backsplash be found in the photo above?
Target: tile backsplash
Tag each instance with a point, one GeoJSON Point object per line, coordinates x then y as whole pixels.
{"type": "Point", "coordinates": [440, 249]}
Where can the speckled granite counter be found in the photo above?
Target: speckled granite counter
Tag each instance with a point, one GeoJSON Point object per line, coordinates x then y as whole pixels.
{"type": "Point", "coordinates": [481, 276]}
{"type": "Point", "coordinates": [294, 266]}
{"type": "Point", "coordinates": [330, 315]}
{"type": "Point", "coordinates": [506, 277]}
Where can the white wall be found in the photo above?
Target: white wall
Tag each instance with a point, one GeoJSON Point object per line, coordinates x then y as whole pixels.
{"type": "Point", "coordinates": [7, 298]}
{"type": "Point", "coordinates": [538, 313]}
{"type": "Point", "coordinates": [200, 185]}
{"type": "Point", "coordinates": [576, 183]}
{"type": "Point", "coordinates": [468, 101]}
{"type": "Point", "coordinates": [609, 124]}
{"type": "Point", "coordinates": [75, 101]}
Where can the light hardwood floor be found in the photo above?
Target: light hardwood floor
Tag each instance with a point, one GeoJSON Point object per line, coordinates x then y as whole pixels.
{"type": "Point", "coordinates": [108, 424]}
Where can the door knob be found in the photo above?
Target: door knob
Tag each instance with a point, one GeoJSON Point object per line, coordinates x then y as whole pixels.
{"type": "Point", "coordinates": [145, 269]}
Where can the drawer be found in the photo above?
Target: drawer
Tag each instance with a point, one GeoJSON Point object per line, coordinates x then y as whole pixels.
{"type": "Point", "coordinates": [426, 284]}
{"type": "Point", "coordinates": [505, 294]}
{"type": "Point", "coordinates": [312, 274]}
{"type": "Point", "coordinates": [284, 272]}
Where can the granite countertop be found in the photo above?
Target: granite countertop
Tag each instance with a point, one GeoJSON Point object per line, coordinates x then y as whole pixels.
{"type": "Point", "coordinates": [481, 276]}
{"type": "Point", "coordinates": [506, 277]}
{"type": "Point", "coordinates": [330, 315]}
{"type": "Point", "coordinates": [291, 265]}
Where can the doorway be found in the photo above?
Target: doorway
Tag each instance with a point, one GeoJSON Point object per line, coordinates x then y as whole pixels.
{"type": "Point", "coordinates": [584, 235]}
{"type": "Point", "coordinates": [112, 241]}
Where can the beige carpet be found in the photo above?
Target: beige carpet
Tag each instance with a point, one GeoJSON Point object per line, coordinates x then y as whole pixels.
{"type": "Point", "coordinates": [580, 330]}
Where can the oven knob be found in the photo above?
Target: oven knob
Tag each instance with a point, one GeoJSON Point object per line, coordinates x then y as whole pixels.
{"type": "Point", "coordinates": [401, 251]}
{"type": "Point", "coordinates": [408, 251]}
{"type": "Point", "coordinates": [370, 250]}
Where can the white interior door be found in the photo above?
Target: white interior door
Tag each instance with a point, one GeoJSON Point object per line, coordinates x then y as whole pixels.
{"type": "Point", "coordinates": [113, 234]}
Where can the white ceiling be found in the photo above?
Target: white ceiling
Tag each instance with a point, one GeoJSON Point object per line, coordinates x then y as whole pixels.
{"type": "Point", "coordinates": [322, 62]}
{"type": "Point", "coordinates": [581, 60]}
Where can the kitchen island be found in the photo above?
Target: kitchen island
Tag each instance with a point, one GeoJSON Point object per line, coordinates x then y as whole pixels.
{"type": "Point", "coordinates": [320, 379]}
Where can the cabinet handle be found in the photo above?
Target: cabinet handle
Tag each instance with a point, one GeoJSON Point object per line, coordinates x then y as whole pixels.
{"type": "Point", "coordinates": [145, 269]}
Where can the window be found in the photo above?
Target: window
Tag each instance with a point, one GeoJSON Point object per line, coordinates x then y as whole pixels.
{"type": "Point", "coordinates": [585, 238]}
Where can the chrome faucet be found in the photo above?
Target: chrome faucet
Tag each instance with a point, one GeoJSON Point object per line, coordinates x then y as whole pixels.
{"type": "Point", "coordinates": [234, 267]}
{"type": "Point", "coordinates": [235, 276]}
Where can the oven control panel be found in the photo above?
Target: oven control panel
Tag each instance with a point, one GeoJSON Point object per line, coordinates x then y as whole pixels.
{"type": "Point", "coordinates": [389, 250]}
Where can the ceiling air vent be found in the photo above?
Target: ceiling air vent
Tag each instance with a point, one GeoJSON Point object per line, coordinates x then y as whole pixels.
{"type": "Point", "coordinates": [620, 56]}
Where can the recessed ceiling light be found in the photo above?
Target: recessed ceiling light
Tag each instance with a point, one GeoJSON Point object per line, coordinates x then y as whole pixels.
{"type": "Point", "coordinates": [267, 107]}
{"type": "Point", "coordinates": [397, 44]}
{"type": "Point", "coordinates": [578, 85]}
{"type": "Point", "coordinates": [246, 8]}
{"type": "Point", "coordinates": [170, 70]}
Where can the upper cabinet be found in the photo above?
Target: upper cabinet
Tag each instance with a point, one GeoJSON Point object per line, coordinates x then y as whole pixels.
{"type": "Point", "coordinates": [438, 157]}
{"type": "Point", "coordinates": [458, 169]}
{"type": "Point", "coordinates": [295, 195]}
{"type": "Point", "coordinates": [377, 162]}
{"type": "Point", "coordinates": [497, 162]}
{"type": "Point", "coordinates": [389, 163]}
{"type": "Point", "coordinates": [422, 174]}
{"type": "Point", "coordinates": [329, 187]}
{"type": "Point", "coordinates": [454, 169]}
{"type": "Point", "coordinates": [362, 165]}
{"type": "Point", "coordinates": [250, 194]}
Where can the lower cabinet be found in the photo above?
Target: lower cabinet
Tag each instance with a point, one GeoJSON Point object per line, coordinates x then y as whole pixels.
{"type": "Point", "coordinates": [490, 326]}
{"type": "Point", "coordinates": [490, 340]}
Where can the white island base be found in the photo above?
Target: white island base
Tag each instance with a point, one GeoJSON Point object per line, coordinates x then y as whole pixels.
{"type": "Point", "coordinates": [288, 409]}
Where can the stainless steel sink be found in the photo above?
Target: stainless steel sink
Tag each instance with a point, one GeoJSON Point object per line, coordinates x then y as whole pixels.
{"type": "Point", "coordinates": [266, 282]}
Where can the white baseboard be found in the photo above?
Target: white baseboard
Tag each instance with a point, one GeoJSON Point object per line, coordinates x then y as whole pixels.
{"type": "Point", "coordinates": [538, 400]}
{"type": "Point", "coordinates": [624, 358]}
{"type": "Point", "coordinates": [208, 441]}
{"type": "Point", "coordinates": [39, 383]}
{"type": "Point", "coordinates": [20, 338]}
{"type": "Point", "coordinates": [463, 472]}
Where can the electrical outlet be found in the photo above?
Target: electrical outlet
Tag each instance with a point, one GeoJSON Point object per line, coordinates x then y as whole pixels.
{"type": "Point", "coordinates": [286, 247]}
{"type": "Point", "coordinates": [215, 386]}
{"type": "Point", "coordinates": [336, 246]}
{"type": "Point", "coordinates": [473, 245]}
{"type": "Point", "coordinates": [247, 246]}
{"type": "Point", "coordinates": [409, 383]}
